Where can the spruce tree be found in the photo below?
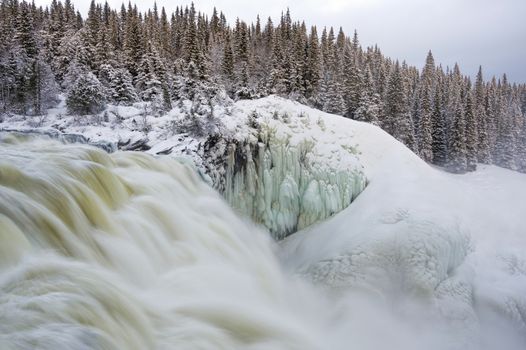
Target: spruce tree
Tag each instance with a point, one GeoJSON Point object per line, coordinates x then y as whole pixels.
{"type": "Point", "coordinates": [472, 137]}
{"type": "Point", "coordinates": [369, 108]}
{"type": "Point", "coordinates": [438, 125]}
{"type": "Point", "coordinates": [457, 159]}
{"type": "Point", "coordinates": [398, 121]}
{"type": "Point", "coordinates": [484, 155]}
{"type": "Point", "coordinates": [352, 82]}
{"type": "Point", "coordinates": [121, 87]}
{"type": "Point", "coordinates": [520, 160]}
{"type": "Point", "coordinates": [227, 65]}
{"type": "Point", "coordinates": [86, 96]}
{"type": "Point", "coordinates": [185, 55]}
{"type": "Point", "coordinates": [425, 130]}
{"type": "Point", "coordinates": [147, 82]}
{"type": "Point", "coordinates": [312, 66]}
{"type": "Point", "coordinates": [133, 41]}
{"type": "Point", "coordinates": [26, 51]}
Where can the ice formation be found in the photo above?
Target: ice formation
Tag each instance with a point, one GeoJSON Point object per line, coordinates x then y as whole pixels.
{"type": "Point", "coordinates": [431, 245]}
{"type": "Point", "coordinates": [279, 178]}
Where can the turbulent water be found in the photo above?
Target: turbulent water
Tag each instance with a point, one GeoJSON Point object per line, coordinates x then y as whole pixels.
{"type": "Point", "coordinates": [125, 251]}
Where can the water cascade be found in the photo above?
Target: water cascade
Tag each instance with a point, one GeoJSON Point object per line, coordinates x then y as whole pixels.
{"type": "Point", "coordinates": [124, 251]}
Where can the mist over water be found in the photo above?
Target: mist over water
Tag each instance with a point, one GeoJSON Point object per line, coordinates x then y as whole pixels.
{"type": "Point", "coordinates": [127, 251]}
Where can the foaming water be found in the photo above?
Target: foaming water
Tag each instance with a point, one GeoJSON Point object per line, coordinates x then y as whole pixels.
{"type": "Point", "coordinates": [125, 251]}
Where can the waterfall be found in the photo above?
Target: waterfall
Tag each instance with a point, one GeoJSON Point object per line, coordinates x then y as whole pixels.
{"type": "Point", "coordinates": [125, 251]}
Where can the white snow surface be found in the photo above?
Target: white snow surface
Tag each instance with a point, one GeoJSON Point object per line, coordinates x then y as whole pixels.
{"type": "Point", "coordinates": [426, 243]}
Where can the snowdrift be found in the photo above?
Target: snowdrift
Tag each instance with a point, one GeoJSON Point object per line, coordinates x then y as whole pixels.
{"type": "Point", "coordinates": [426, 243]}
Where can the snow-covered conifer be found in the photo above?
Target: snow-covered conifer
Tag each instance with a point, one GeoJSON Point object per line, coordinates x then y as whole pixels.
{"type": "Point", "coordinates": [86, 96]}
{"type": "Point", "coordinates": [457, 159]}
{"type": "Point", "coordinates": [398, 121]}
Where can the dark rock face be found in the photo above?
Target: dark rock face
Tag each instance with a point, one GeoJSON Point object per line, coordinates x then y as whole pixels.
{"type": "Point", "coordinates": [138, 145]}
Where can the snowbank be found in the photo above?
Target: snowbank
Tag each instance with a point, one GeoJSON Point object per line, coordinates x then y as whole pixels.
{"type": "Point", "coordinates": [426, 243]}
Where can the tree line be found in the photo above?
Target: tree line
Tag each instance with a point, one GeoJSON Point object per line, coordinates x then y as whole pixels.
{"type": "Point", "coordinates": [123, 56]}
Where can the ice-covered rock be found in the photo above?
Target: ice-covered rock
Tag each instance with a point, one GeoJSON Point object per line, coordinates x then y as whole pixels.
{"type": "Point", "coordinates": [281, 166]}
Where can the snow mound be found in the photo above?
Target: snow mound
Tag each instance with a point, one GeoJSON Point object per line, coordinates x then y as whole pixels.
{"type": "Point", "coordinates": [426, 243]}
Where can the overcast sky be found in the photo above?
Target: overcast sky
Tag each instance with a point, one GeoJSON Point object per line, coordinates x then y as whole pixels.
{"type": "Point", "coordinates": [491, 33]}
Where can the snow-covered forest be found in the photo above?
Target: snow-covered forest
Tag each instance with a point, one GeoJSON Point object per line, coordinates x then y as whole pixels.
{"type": "Point", "coordinates": [122, 56]}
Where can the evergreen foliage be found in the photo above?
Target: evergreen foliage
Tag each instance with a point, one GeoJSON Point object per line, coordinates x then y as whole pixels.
{"type": "Point", "coordinates": [123, 56]}
{"type": "Point", "coordinates": [86, 96]}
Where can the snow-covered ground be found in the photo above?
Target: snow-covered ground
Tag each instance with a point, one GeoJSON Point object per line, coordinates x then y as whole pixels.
{"type": "Point", "coordinates": [428, 244]}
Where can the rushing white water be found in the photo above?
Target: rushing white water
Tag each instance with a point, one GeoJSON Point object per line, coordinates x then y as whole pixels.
{"type": "Point", "coordinates": [125, 251]}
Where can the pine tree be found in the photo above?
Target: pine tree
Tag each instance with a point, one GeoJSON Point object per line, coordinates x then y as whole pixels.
{"type": "Point", "coordinates": [457, 160]}
{"type": "Point", "coordinates": [438, 125]}
{"type": "Point", "coordinates": [398, 120]}
{"type": "Point", "coordinates": [86, 96]}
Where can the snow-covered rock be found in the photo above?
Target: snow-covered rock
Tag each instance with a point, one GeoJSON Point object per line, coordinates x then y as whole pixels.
{"type": "Point", "coordinates": [284, 167]}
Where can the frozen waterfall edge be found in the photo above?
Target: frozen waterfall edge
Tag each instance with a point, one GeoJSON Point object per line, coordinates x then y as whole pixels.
{"type": "Point", "coordinates": [281, 183]}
